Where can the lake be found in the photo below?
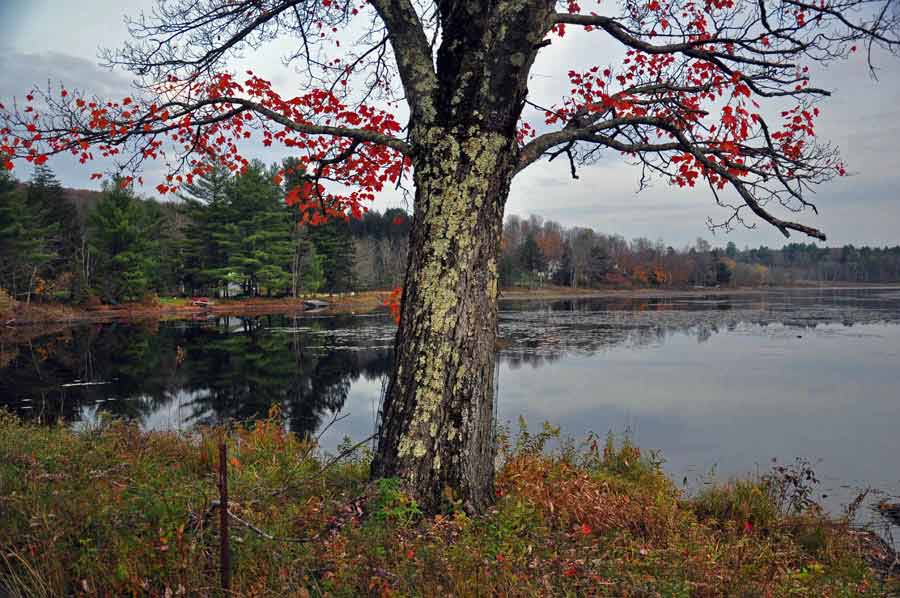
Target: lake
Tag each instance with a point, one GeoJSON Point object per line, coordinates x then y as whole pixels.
{"type": "Point", "coordinates": [718, 384]}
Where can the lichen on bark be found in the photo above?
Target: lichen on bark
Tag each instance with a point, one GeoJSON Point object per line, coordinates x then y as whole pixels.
{"type": "Point", "coordinates": [437, 418]}
{"type": "Point", "coordinates": [445, 367]}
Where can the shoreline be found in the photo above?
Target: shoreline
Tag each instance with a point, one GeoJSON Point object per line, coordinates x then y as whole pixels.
{"type": "Point", "coordinates": [46, 314]}
{"type": "Point", "coordinates": [561, 293]}
{"type": "Point", "coordinates": [182, 309]}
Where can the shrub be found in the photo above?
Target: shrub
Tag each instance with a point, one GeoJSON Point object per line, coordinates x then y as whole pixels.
{"type": "Point", "coordinates": [116, 511]}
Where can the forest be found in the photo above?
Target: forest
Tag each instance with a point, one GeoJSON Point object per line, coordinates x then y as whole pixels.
{"type": "Point", "coordinates": [536, 252]}
{"type": "Point", "coordinates": [232, 235]}
{"type": "Point", "coordinates": [228, 235]}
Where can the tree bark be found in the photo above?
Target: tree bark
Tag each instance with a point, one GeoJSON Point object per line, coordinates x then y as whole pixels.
{"type": "Point", "coordinates": [437, 419]}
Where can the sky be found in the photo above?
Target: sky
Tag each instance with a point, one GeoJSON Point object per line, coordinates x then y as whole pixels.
{"type": "Point", "coordinates": [57, 42]}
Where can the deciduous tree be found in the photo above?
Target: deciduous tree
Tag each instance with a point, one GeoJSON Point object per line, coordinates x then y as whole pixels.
{"type": "Point", "coordinates": [682, 102]}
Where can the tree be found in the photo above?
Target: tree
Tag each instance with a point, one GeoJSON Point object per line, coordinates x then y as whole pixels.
{"type": "Point", "coordinates": [56, 217]}
{"type": "Point", "coordinates": [205, 205]}
{"type": "Point", "coordinates": [121, 235]}
{"type": "Point", "coordinates": [531, 257]}
{"type": "Point", "coordinates": [724, 270]}
{"type": "Point", "coordinates": [582, 245]}
{"type": "Point", "coordinates": [26, 247]}
{"type": "Point", "coordinates": [334, 247]}
{"type": "Point", "coordinates": [598, 265]}
{"type": "Point", "coordinates": [681, 101]}
{"type": "Point", "coordinates": [731, 250]}
{"type": "Point", "coordinates": [564, 275]}
{"type": "Point", "coordinates": [257, 237]}
{"type": "Point", "coordinates": [313, 271]}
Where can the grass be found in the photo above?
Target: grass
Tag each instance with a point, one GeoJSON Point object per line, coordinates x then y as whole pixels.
{"type": "Point", "coordinates": [114, 511]}
{"type": "Point", "coordinates": [174, 301]}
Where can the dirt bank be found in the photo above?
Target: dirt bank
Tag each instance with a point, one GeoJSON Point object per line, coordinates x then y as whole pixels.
{"type": "Point", "coordinates": [25, 322]}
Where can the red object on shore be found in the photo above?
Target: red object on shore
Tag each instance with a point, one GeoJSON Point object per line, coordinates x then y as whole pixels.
{"type": "Point", "coordinates": [202, 301]}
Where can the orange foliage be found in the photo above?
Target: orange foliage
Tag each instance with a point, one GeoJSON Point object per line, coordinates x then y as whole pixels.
{"type": "Point", "coordinates": [577, 500]}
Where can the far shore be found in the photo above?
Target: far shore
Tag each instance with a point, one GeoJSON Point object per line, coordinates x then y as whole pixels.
{"type": "Point", "coordinates": [39, 315]}
{"type": "Point", "coordinates": [558, 293]}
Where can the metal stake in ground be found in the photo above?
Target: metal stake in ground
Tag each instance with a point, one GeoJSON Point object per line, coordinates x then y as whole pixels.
{"type": "Point", "coordinates": [225, 552]}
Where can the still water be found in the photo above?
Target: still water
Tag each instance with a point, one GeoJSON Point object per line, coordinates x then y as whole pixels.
{"type": "Point", "coordinates": [717, 384]}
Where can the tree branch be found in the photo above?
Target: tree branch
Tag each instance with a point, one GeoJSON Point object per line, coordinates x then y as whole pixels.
{"type": "Point", "coordinates": [363, 135]}
{"type": "Point", "coordinates": [536, 148]}
{"type": "Point", "coordinates": [412, 52]}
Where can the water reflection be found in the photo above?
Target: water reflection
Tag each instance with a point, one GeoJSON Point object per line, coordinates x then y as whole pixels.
{"type": "Point", "coordinates": [716, 381]}
{"type": "Point", "coordinates": [223, 369]}
{"type": "Point", "coordinates": [188, 373]}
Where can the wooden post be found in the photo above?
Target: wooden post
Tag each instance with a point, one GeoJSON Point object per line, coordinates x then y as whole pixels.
{"type": "Point", "coordinates": [225, 552]}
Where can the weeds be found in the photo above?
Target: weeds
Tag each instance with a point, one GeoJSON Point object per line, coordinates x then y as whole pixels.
{"type": "Point", "coordinates": [116, 511]}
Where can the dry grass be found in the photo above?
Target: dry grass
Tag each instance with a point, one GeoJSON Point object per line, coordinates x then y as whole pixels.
{"type": "Point", "coordinates": [117, 512]}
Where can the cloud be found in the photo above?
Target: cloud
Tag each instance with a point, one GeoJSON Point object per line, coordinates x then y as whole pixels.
{"type": "Point", "coordinates": [21, 71]}
{"type": "Point", "coordinates": [57, 41]}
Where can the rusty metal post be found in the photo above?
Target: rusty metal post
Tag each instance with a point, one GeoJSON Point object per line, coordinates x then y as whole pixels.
{"type": "Point", "coordinates": [225, 550]}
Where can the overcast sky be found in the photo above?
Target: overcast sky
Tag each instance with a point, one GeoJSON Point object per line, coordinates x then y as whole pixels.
{"type": "Point", "coordinates": [58, 40]}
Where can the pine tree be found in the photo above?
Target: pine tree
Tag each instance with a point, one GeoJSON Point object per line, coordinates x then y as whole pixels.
{"type": "Point", "coordinates": [207, 210]}
{"type": "Point", "coordinates": [24, 249]}
{"type": "Point", "coordinates": [532, 258]}
{"type": "Point", "coordinates": [55, 221]}
{"type": "Point", "coordinates": [313, 269]}
{"type": "Point", "coordinates": [121, 231]}
{"type": "Point", "coordinates": [257, 237]}
{"type": "Point", "coordinates": [334, 244]}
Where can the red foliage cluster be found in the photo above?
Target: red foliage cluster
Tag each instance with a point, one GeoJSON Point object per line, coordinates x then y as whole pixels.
{"type": "Point", "coordinates": [393, 303]}
{"type": "Point", "coordinates": [227, 113]}
{"type": "Point", "coordinates": [716, 112]}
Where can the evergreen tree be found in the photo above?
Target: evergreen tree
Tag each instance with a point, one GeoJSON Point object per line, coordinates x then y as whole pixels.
{"type": "Point", "coordinates": [731, 250]}
{"type": "Point", "coordinates": [334, 245]}
{"type": "Point", "coordinates": [121, 230]}
{"type": "Point", "coordinates": [313, 268]}
{"type": "Point", "coordinates": [257, 238]}
{"type": "Point", "coordinates": [206, 208]}
{"type": "Point", "coordinates": [24, 246]}
{"type": "Point", "coordinates": [723, 272]}
{"type": "Point", "coordinates": [307, 270]}
{"type": "Point", "coordinates": [55, 221]}
{"type": "Point", "coordinates": [531, 258]}
{"type": "Point", "coordinates": [598, 266]}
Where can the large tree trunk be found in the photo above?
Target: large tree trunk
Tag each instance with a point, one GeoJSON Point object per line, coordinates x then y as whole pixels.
{"type": "Point", "coordinates": [437, 419]}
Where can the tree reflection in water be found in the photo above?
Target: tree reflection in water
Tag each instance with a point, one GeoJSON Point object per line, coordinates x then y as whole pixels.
{"type": "Point", "coordinates": [223, 369]}
{"type": "Point", "coordinates": [179, 374]}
